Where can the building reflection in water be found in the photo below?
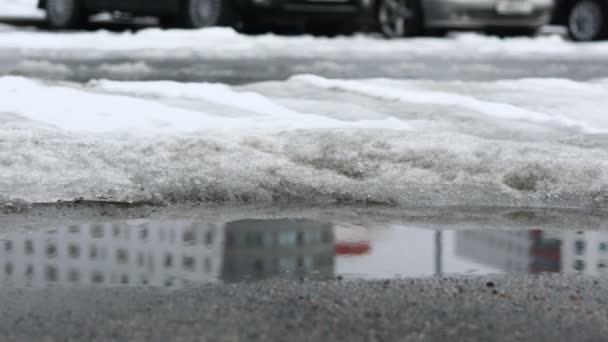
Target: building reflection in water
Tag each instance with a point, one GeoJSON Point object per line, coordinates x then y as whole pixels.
{"type": "Point", "coordinates": [169, 255]}
{"type": "Point", "coordinates": [536, 251]}
{"type": "Point", "coordinates": [585, 252]}
{"type": "Point", "coordinates": [113, 254]}
{"type": "Point", "coordinates": [173, 254]}
{"type": "Point", "coordinates": [262, 248]}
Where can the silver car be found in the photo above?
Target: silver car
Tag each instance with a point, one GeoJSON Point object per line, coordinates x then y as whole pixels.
{"type": "Point", "coordinates": [399, 18]}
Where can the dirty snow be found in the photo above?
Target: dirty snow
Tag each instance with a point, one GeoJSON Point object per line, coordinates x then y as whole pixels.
{"type": "Point", "coordinates": [528, 142]}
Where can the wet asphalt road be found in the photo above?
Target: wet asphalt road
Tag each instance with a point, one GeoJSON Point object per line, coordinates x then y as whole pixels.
{"type": "Point", "coordinates": [249, 70]}
{"type": "Point", "coordinates": [246, 70]}
{"type": "Point", "coordinates": [518, 308]}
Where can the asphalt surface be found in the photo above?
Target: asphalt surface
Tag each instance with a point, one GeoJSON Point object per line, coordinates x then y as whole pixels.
{"type": "Point", "coordinates": [82, 68]}
{"type": "Point", "coordinates": [257, 70]}
{"type": "Point", "coordinates": [517, 308]}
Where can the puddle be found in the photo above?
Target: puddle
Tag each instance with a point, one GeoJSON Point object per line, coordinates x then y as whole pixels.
{"type": "Point", "coordinates": [178, 253]}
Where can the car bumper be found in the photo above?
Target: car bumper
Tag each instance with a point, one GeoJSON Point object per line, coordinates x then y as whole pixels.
{"type": "Point", "coordinates": [472, 14]}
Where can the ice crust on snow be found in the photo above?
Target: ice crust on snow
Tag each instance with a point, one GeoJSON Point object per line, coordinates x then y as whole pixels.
{"type": "Point", "coordinates": [529, 142]}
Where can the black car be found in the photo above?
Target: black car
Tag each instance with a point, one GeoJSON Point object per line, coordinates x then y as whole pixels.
{"type": "Point", "coordinates": [248, 15]}
{"type": "Point", "coordinates": [586, 20]}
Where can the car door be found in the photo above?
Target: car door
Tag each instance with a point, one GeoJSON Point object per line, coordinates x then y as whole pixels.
{"type": "Point", "coordinates": [97, 5]}
{"type": "Point", "coordinates": [140, 6]}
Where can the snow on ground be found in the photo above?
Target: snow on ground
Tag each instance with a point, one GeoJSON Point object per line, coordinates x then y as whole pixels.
{"type": "Point", "coordinates": [20, 8]}
{"type": "Point", "coordinates": [227, 44]}
{"type": "Point", "coordinates": [528, 142]}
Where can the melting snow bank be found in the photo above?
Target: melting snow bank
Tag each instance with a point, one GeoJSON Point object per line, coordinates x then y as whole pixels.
{"type": "Point", "coordinates": [225, 43]}
{"type": "Point", "coordinates": [523, 143]}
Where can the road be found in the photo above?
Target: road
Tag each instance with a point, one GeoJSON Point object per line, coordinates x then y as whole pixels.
{"type": "Point", "coordinates": [508, 308]}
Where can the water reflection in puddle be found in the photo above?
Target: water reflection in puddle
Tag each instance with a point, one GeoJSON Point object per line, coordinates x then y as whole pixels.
{"type": "Point", "coordinates": [174, 254]}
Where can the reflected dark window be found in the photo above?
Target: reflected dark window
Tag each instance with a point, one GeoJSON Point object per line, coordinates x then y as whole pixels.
{"type": "Point", "coordinates": [168, 283]}
{"type": "Point", "coordinates": [8, 268]}
{"type": "Point", "coordinates": [300, 240]}
{"type": "Point", "coordinates": [143, 234]}
{"type": "Point", "coordinates": [73, 276]}
{"type": "Point", "coordinates": [230, 240]}
{"type": "Point", "coordinates": [116, 231]}
{"type": "Point", "coordinates": [188, 263]}
{"type": "Point", "coordinates": [144, 281]}
{"type": "Point", "coordinates": [122, 256]}
{"type": "Point", "coordinates": [51, 250]}
{"type": "Point", "coordinates": [93, 252]}
{"type": "Point", "coordinates": [74, 230]}
{"type": "Point", "coordinates": [601, 265]}
{"type": "Point", "coordinates": [579, 265]}
{"type": "Point", "coordinates": [51, 273]}
{"type": "Point", "coordinates": [74, 251]}
{"type": "Point", "coordinates": [29, 247]}
{"type": "Point", "coordinates": [207, 265]}
{"type": "Point", "coordinates": [97, 277]}
{"type": "Point", "coordinates": [8, 245]}
{"type": "Point", "coordinates": [258, 266]}
{"type": "Point", "coordinates": [29, 271]}
{"type": "Point", "coordinates": [124, 279]}
{"type": "Point", "coordinates": [97, 231]}
{"type": "Point", "coordinates": [579, 247]}
{"type": "Point", "coordinates": [209, 238]}
{"type": "Point", "coordinates": [189, 237]}
{"type": "Point", "coordinates": [255, 240]}
{"type": "Point", "coordinates": [168, 260]}
{"type": "Point", "coordinates": [327, 236]}
{"type": "Point", "coordinates": [603, 247]}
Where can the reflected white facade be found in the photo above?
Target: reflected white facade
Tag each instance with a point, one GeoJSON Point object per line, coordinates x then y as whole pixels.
{"type": "Point", "coordinates": [113, 254]}
{"type": "Point", "coordinates": [585, 252]}
{"type": "Point", "coordinates": [506, 250]}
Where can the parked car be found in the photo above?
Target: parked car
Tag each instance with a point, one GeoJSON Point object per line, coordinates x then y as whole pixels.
{"type": "Point", "coordinates": [248, 15]}
{"type": "Point", "coordinates": [586, 20]}
{"type": "Point", "coordinates": [397, 18]}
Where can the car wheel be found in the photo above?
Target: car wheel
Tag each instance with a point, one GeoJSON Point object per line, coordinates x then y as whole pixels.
{"type": "Point", "coordinates": [200, 13]}
{"type": "Point", "coordinates": [587, 21]}
{"type": "Point", "coordinates": [399, 18]}
{"type": "Point", "coordinates": [64, 14]}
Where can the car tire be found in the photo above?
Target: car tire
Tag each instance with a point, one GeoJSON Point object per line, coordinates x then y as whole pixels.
{"type": "Point", "coordinates": [65, 14]}
{"type": "Point", "coordinates": [588, 20]}
{"type": "Point", "coordinates": [400, 18]}
{"type": "Point", "coordinates": [200, 13]}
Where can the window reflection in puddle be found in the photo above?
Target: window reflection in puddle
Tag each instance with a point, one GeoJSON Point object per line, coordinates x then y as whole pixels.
{"type": "Point", "coordinates": [175, 254]}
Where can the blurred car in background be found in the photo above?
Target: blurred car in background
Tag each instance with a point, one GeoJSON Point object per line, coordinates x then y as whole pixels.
{"type": "Point", "coordinates": [398, 18]}
{"type": "Point", "coordinates": [335, 16]}
{"type": "Point", "coordinates": [586, 20]}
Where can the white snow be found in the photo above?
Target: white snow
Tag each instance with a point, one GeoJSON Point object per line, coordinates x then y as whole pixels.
{"type": "Point", "coordinates": [226, 43]}
{"type": "Point", "coordinates": [529, 142]}
{"type": "Point", "coordinates": [20, 8]}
